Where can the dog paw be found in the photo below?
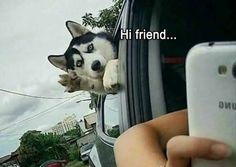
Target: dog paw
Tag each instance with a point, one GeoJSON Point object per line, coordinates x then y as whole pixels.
{"type": "Point", "coordinates": [110, 78]}
{"type": "Point", "coordinates": [71, 83]}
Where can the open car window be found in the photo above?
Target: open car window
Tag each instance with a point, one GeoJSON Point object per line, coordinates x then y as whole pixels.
{"type": "Point", "coordinates": [111, 115]}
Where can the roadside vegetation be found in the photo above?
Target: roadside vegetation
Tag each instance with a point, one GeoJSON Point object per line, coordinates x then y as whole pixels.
{"type": "Point", "coordinates": [36, 148]}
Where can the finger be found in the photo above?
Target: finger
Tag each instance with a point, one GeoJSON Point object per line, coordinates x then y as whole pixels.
{"type": "Point", "coordinates": [181, 149]}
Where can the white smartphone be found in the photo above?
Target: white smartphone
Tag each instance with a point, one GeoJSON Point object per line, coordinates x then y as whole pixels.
{"type": "Point", "coordinates": [211, 96]}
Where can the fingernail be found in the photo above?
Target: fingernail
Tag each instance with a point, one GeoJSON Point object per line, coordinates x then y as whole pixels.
{"type": "Point", "coordinates": [220, 151]}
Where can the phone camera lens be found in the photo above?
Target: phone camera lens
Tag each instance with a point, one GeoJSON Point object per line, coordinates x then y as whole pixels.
{"type": "Point", "coordinates": [234, 70]}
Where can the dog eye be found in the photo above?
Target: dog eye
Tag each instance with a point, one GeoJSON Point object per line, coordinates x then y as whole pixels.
{"type": "Point", "coordinates": [79, 63]}
{"type": "Point", "coordinates": [90, 48]}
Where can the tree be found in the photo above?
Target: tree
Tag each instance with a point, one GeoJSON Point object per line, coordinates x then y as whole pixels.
{"type": "Point", "coordinates": [55, 146]}
{"type": "Point", "coordinates": [114, 132]}
{"type": "Point", "coordinates": [74, 132]}
{"type": "Point", "coordinates": [29, 149]}
{"type": "Point", "coordinates": [35, 148]}
{"type": "Point", "coordinates": [107, 17]}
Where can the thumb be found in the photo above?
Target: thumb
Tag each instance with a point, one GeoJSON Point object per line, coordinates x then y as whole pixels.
{"type": "Point", "coordinates": [181, 149]}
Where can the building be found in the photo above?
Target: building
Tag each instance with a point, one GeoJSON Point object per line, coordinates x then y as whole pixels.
{"type": "Point", "coordinates": [58, 129]}
{"type": "Point", "coordinates": [64, 126]}
{"type": "Point", "coordinates": [86, 139]}
{"type": "Point", "coordinates": [10, 160]}
{"type": "Point", "coordinates": [70, 123]}
{"type": "Point", "coordinates": [83, 130]}
{"type": "Point", "coordinates": [90, 121]}
{"type": "Point", "coordinates": [88, 127]}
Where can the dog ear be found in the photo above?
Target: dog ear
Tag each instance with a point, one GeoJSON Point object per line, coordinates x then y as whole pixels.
{"type": "Point", "coordinates": [76, 29]}
{"type": "Point", "coordinates": [58, 61]}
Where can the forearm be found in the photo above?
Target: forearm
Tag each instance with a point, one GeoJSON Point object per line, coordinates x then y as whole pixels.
{"type": "Point", "coordinates": [139, 147]}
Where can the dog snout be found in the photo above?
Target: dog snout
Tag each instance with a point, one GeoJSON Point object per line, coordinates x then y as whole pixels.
{"type": "Point", "coordinates": [96, 65]}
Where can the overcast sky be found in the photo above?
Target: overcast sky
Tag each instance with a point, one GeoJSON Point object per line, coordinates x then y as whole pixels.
{"type": "Point", "coordinates": [30, 31]}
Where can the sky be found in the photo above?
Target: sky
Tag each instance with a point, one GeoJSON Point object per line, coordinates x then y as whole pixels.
{"type": "Point", "coordinates": [30, 31]}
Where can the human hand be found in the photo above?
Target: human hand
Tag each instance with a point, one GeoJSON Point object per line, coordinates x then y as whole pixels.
{"type": "Point", "coordinates": [181, 149]}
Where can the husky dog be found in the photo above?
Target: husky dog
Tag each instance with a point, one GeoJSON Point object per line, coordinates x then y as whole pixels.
{"type": "Point", "coordinates": [89, 61]}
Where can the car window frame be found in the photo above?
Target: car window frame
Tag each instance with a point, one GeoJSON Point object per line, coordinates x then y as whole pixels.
{"type": "Point", "coordinates": [123, 120]}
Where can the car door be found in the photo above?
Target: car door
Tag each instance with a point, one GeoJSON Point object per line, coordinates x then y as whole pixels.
{"type": "Point", "coordinates": [152, 72]}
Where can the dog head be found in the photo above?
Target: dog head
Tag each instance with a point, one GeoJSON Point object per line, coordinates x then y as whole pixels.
{"type": "Point", "coordinates": [87, 54]}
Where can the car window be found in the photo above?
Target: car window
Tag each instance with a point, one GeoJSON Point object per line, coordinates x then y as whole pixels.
{"type": "Point", "coordinates": [111, 115]}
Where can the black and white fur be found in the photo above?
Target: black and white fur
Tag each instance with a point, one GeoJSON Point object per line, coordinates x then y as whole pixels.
{"type": "Point", "coordinates": [90, 58]}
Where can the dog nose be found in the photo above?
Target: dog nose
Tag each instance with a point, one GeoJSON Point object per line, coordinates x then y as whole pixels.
{"type": "Point", "coordinates": [96, 65]}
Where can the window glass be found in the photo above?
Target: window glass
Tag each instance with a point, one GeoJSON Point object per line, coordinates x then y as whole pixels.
{"type": "Point", "coordinates": [111, 115]}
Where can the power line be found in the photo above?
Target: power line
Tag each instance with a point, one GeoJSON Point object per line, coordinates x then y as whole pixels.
{"type": "Point", "coordinates": [40, 113]}
{"type": "Point", "coordinates": [83, 100]}
{"type": "Point", "coordinates": [34, 96]}
{"type": "Point", "coordinates": [9, 135]}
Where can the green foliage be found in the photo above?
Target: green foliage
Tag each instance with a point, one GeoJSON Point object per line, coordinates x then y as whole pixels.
{"type": "Point", "coordinates": [73, 154]}
{"type": "Point", "coordinates": [74, 132]}
{"type": "Point", "coordinates": [35, 148]}
{"type": "Point", "coordinates": [114, 132]}
{"type": "Point", "coordinates": [30, 148]}
{"type": "Point", "coordinates": [107, 17]}
{"type": "Point", "coordinates": [94, 100]}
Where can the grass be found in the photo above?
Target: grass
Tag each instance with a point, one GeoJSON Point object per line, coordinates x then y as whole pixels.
{"type": "Point", "coordinates": [76, 164]}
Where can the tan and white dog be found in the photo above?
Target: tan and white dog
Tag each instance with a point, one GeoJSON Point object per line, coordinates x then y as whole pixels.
{"type": "Point", "coordinates": [90, 61]}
